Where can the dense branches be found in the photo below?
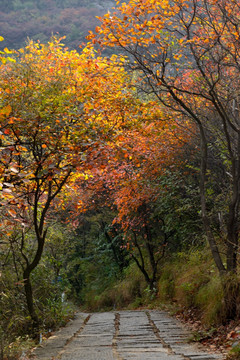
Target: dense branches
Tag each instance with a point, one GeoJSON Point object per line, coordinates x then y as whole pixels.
{"type": "Point", "coordinates": [188, 54]}
{"type": "Point", "coordinates": [58, 108]}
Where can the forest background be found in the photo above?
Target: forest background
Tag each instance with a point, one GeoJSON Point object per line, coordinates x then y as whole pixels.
{"type": "Point", "coordinates": [39, 20]}
{"type": "Point", "coordinates": [119, 172]}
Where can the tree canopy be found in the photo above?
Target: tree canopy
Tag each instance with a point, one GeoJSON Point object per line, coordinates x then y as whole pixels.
{"type": "Point", "coordinates": [126, 153]}
{"type": "Point", "coordinates": [187, 53]}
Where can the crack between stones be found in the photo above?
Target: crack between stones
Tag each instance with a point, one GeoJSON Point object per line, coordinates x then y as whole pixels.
{"type": "Point", "coordinates": [116, 334]}
{"type": "Point", "coordinates": [157, 334]}
{"type": "Point", "coordinates": [59, 355]}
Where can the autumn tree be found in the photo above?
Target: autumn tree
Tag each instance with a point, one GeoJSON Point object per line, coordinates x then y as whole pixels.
{"type": "Point", "coordinates": [57, 107]}
{"type": "Point", "coordinates": [130, 179]}
{"type": "Point", "coordinates": [188, 57]}
{"type": "Point", "coordinates": [151, 151]}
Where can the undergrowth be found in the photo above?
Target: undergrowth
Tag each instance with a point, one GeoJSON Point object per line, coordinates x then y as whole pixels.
{"type": "Point", "coordinates": [186, 281]}
{"type": "Point", "coordinates": [191, 281]}
{"type": "Point", "coordinates": [127, 292]}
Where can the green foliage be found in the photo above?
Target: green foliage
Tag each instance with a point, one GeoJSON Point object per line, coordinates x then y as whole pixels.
{"type": "Point", "coordinates": [95, 259]}
{"type": "Point", "coordinates": [203, 334]}
{"type": "Point", "coordinates": [20, 345]}
{"type": "Point", "coordinates": [234, 353]}
{"type": "Point", "coordinates": [89, 262]}
{"type": "Point", "coordinates": [190, 280]}
{"type": "Point", "coordinates": [166, 284]}
{"type": "Point", "coordinates": [209, 299]}
{"type": "Point", "coordinates": [15, 322]}
{"type": "Point", "coordinates": [126, 293]}
{"type": "Point", "coordinates": [177, 207]}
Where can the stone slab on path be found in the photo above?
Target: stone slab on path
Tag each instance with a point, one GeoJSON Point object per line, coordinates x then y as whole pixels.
{"type": "Point", "coordinates": [122, 335]}
{"type": "Point", "coordinates": [51, 347]}
{"type": "Point", "coordinates": [175, 336]}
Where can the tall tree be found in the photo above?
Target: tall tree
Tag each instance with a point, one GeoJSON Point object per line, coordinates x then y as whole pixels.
{"type": "Point", "coordinates": [129, 179]}
{"type": "Point", "coordinates": [58, 106]}
{"type": "Point", "coordinates": [188, 55]}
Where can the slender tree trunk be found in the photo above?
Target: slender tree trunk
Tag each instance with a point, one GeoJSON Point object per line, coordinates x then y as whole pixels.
{"type": "Point", "coordinates": [141, 264]}
{"type": "Point", "coordinates": [232, 246]}
{"type": "Point", "coordinates": [28, 286]}
{"type": "Point", "coordinates": [211, 240]}
{"type": "Point", "coordinates": [154, 263]}
{"type": "Point", "coordinates": [229, 281]}
{"type": "Point", "coordinates": [227, 274]}
{"type": "Point", "coordinates": [233, 214]}
{"type": "Point", "coordinates": [30, 303]}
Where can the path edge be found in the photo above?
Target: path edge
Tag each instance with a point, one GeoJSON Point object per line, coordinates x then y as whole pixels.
{"type": "Point", "coordinates": [51, 347]}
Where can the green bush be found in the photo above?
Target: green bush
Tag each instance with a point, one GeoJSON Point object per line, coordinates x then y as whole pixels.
{"type": "Point", "coordinates": [209, 300]}
{"type": "Point", "coordinates": [190, 280]}
{"type": "Point", "coordinates": [127, 292]}
{"type": "Point", "coordinates": [234, 353]}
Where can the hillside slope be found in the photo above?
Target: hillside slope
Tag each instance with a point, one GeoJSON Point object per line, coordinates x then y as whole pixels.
{"type": "Point", "coordinates": [39, 19]}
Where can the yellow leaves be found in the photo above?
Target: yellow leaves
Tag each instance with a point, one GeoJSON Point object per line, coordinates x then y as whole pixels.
{"type": "Point", "coordinates": [5, 111]}
{"type": "Point", "coordinates": [122, 59]}
{"type": "Point", "coordinates": [23, 148]}
{"type": "Point", "coordinates": [177, 56]}
{"type": "Point", "coordinates": [7, 51]}
{"type": "Point", "coordinates": [206, 40]}
{"type": "Point", "coordinates": [74, 101]}
{"type": "Point", "coordinates": [82, 176]}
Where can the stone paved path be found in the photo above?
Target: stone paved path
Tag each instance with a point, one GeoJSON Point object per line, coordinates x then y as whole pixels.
{"type": "Point", "coordinates": [123, 335]}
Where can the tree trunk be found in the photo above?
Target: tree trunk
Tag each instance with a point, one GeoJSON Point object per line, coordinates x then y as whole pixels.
{"type": "Point", "coordinates": [210, 237]}
{"type": "Point", "coordinates": [232, 247]}
{"type": "Point", "coordinates": [227, 274]}
{"type": "Point", "coordinates": [30, 303]}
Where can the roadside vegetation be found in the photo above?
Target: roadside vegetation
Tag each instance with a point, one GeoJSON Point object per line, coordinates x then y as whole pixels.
{"type": "Point", "coordinates": [120, 175]}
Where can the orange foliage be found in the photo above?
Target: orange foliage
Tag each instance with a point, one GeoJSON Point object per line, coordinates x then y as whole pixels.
{"type": "Point", "coordinates": [57, 108]}
{"type": "Point", "coordinates": [126, 174]}
{"type": "Point", "coordinates": [186, 50]}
